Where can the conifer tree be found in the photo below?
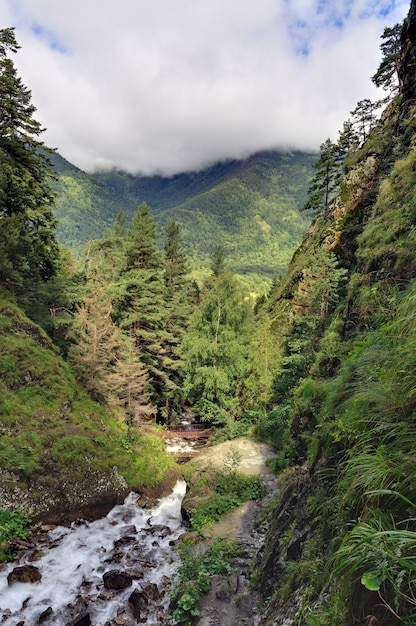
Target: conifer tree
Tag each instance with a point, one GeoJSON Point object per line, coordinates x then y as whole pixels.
{"type": "Point", "coordinates": [216, 348]}
{"type": "Point", "coordinates": [364, 118]}
{"type": "Point", "coordinates": [175, 259]}
{"type": "Point", "coordinates": [348, 141]}
{"type": "Point", "coordinates": [179, 308]}
{"type": "Point", "coordinates": [218, 261]}
{"type": "Point", "coordinates": [96, 341]}
{"type": "Point", "coordinates": [28, 249]}
{"type": "Point", "coordinates": [325, 182]}
{"type": "Point", "coordinates": [387, 75]}
{"type": "Point", "coordinates": [322, 281]}
{"type": "Point", "coordinates": [129, 383]}
{"type": "Point", "coordinates": [141, 303]}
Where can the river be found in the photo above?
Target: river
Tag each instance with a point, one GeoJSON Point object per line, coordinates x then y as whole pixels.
{"type": "Point", "coordinates": [132, 544]}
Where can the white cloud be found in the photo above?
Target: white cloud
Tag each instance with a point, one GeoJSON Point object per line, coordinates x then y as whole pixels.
{"type": "Point", "coordinates": [171, 85]}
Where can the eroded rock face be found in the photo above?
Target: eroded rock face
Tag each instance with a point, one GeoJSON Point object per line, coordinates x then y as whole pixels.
{"type": "Point", "coordinates": [24, 574]}
{"type": "Point", "coordinates": [407, 69]}
{"type": "Point", "coordinates": [60, 497]}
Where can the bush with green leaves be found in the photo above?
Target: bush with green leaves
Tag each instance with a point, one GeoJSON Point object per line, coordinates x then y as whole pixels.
{"type": "Point", "coordinates": [230, 491]}
{"type": "Point", "coordinates": [13, 526]}
{"type": "Point", "coordinates": [198, 565]}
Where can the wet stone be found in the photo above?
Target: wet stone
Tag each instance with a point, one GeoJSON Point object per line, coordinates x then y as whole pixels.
{"type": "Point", "coordinates": [24, 574]}
{"type": "Point", "coordinates": [162, 531]}
{"type": "Point", "coordinates": [138, 602]}
{"type": "Point", "coordinates": [45, 615]}
{"type": "Point", "coordinates": [152, 591]}
{"type": "Point", "coordinates": [116, 579]}
{"type": "Point", "coordinates": [81, 620]}
{"type": "Point", "coordinates": [125, 541]}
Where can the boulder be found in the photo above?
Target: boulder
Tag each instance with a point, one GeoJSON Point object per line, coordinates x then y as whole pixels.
{"type": "Point", "coordinates": [138, 602]}
{"type": "Point", "coordinates": [24, 574]}
{"type": "Point", "coordinates": [116, 579]}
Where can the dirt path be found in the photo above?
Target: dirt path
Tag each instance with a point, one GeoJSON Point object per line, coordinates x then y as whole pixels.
{"type": "Point", "coordinates": [231, 600]}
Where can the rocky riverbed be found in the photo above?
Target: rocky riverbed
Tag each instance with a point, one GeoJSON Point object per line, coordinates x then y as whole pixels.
{"type": "Point", "coordinates": [118, 569]}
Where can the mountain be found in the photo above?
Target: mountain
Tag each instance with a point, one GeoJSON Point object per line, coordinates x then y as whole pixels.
{"type": "Point", "coordinates": [85, 207]}
{"type": "Point", "coordinates": [250, 207]}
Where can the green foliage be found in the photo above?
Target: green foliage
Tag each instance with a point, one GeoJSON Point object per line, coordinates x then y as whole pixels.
{"type": "Point", "coordinates": [250, 208]}
{"type": "Point", "coordinates": [48, 421]}
{"type": "Point", "coordinates": [387, 75]}
{"type": "Point", "coordinates": [13, 526]}
{"type": "Point", "coordinates": [216, 348]}
{"type": "Point", "coordinates": [28, 249]}
{"type": "Point", "coordinates": [231, 489]}
{"type": "Point", "coordinates": [381, 557]}
{"type": "Point", "coordinates": [324, 183]}
{"type": "Point", "coordinates": [364, 118]}
{"type": "Point", "coordinates": [391, 249]}
{"type": "Point", "coordinates": [195, 573]}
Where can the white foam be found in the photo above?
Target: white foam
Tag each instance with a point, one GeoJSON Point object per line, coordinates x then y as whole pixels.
{"type": "Point", "coordinates": [77, 556]}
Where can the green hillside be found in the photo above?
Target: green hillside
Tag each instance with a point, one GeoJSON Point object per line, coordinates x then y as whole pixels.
{"type": "Point", "coordinates": [85, 207]}
{"type": "Point", "coordinates": [249, 207]}
{"type": "Point", "coordinates": [323, 368]}
{"type": "Point", "coordinates": [53, 434]}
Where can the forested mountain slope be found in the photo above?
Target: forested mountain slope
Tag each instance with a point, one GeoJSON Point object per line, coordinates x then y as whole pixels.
{"type": "Point", "coordinates": [250, 207]}
{"type": "Point", "coordinates": [342, 541]}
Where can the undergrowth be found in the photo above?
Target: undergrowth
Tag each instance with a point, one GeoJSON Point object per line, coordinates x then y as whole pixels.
{"type": "Point", "coordinates": [13, 526]}
{"type": "Point", "coordinates": [198, 565]}
{"type": "Point", "coordinates": [231, 490]}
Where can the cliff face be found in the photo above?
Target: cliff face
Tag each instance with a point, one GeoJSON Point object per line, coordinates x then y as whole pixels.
{"type": "Point", "coordinates": [327, 558]}
{"type": "Point", "coordinates": [407, 69]}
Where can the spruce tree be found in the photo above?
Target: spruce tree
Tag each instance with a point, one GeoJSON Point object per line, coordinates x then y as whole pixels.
{"type": "Point", "coordinates": [28, 249]}
{"type": "Point", "coordinates": [176, 272]}
{"type": "Point", "coordinates": [218, 261]}
{"type": "Point", "coordinates": [129, 384]}
{"type": "Point", "coordinates": [216, 348]}
{"type": "Point", "coordinates": [96, 340]}
{"type": "Point", "coordinates": [180, 305]}
{"type": "Point", "coordinates": [141, 306]}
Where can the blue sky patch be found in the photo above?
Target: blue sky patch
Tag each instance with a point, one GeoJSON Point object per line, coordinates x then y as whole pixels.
{"type": "Point", "coordinates": [324, 16]}
{"type": "Point", "coordinates": [47, 37]}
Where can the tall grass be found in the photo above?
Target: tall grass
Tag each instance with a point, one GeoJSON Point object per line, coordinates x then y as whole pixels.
{"type": "Point", "coordinates": [378, 411]}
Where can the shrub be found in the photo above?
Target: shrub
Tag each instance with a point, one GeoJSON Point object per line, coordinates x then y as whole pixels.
{"type": "Point", "coordinates": [12, 526]}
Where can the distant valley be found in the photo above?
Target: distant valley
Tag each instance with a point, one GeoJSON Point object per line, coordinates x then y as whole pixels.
{"type": "Point", "coordinates": [250, 207]}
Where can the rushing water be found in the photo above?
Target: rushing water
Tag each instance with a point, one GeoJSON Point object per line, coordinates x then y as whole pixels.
{"type": "Point", "coordinates": [73, 560]}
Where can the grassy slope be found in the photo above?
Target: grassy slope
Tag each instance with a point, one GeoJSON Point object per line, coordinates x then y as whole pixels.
{"type": "Point", "coordinates": [50, 426]}
{"type": "Point", "coordinates": [351, 406]}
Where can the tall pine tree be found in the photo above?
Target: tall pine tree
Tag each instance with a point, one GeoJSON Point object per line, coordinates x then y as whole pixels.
{"type": "Point", "coordinates": [28, 249]}
{"type": "Point", "coordinates": [141, 303]}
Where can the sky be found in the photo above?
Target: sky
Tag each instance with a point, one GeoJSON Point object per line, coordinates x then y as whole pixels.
{"type": "Point", "coordinates": [167, 86]}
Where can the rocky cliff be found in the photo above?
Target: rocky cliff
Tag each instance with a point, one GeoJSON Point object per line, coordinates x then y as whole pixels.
{"type": "Point", "coordinates": [327, 557]}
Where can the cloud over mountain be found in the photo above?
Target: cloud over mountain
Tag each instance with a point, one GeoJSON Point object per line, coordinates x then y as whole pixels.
{"type": "Point", "coordinates": [168, 86]}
